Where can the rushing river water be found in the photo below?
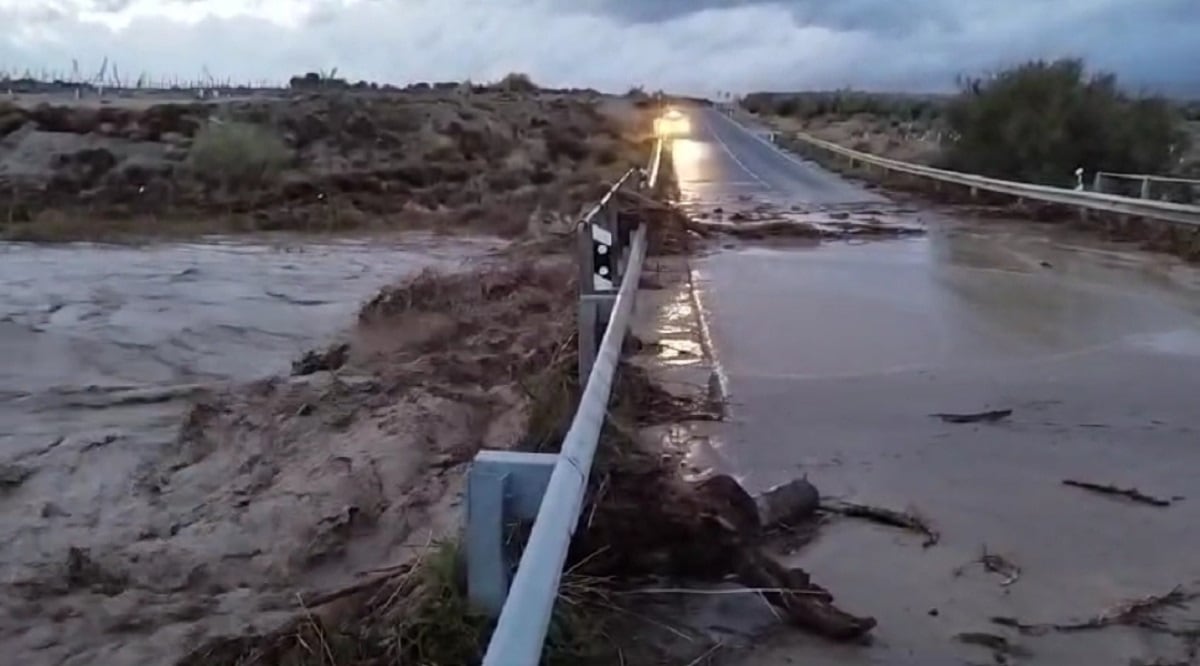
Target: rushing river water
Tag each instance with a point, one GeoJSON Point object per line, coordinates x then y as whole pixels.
{"type": "Point", "coordinates": [80, 322]}
{"type": "Point", "coordinates": [101, 348]}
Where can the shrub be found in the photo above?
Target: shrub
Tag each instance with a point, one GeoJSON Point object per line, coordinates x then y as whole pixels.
{"type": "Point", "coordinates": [1040, 121]}
{"type": "Point", "coordinates": [517, 82]}
{"type": "Point", "coordinates": [236, 155]}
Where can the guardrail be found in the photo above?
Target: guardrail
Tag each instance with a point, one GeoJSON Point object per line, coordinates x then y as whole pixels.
{"type": "Point", "coordinates": [507, 487]}
{"type": "Point", "coordinates": [1099, 201]}
{"type": "Point", "coordinates": [1147, 181]}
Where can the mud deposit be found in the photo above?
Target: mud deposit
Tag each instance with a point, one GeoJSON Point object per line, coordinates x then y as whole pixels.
{"type": "Point", "coordinates": [150, 497]}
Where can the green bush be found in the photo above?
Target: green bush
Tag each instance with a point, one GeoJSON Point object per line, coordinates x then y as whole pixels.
{"type": "Point", "coordinates": [238, 155]}
{"type": "Point", "coordinates": [517, 82]}
{"type": "Point", "coordinates": [1040, 121]}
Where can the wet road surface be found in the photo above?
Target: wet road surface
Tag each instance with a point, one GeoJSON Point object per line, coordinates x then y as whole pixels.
{"type": "Point", "coordinates": [721, 161]}
{"type": "Point", "coordinates": [836, 356]}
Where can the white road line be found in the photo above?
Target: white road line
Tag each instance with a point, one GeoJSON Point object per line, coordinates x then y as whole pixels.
{"type": "Point", "coordinates": [729, 152]}
{"type": "Point", "coordinates": [708, 344]}
{"type": "Point", "coordinates": [772, 146]}
{"type": "Point", "coordinates": [807, 165]}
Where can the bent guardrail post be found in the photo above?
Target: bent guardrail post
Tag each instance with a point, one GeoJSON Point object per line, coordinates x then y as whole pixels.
{"type": "Point", "coordinates": [503, 488]}
{"type": "Point", "coordinates": [521, 630]}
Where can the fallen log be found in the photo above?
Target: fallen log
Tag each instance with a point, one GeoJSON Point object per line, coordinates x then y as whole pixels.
{"type": "Point", "coordinates": [976, 417]}
{"type": "Point", "coordinates": [788, 503]}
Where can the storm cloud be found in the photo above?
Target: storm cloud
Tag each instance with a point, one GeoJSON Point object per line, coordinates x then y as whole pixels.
{"type": "Point", "coordinates": [697, 46]}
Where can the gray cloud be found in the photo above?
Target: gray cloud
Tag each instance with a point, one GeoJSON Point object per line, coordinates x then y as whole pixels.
{"type": "Point", "coordinates": [697, 46]}
{"type": "Point", "coordinates": [878, 16]}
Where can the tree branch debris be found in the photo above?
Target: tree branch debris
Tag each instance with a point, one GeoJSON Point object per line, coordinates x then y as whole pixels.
{"type": "Point", "coordinates": [975, 417]}
{"type": "Point", "coordinates": [1130, 493]}
{"type": "Point", "coordinates": [904, 520]}
{"type": "Point", "coordinates": [1142, 612]}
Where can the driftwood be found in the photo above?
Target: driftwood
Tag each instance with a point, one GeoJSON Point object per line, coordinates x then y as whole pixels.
{"type": "Point", "coordinates": [1131, 493]}
{"type": "Point", "coordinates": [1000, 645]}
{"type": "Point", "coordinates": [976, 417]}
{"type": "Point", "coordinates": [788, 503]}
{"type": "Point", "coordinates": [907, 521]}
{"type": "Point", "coordinates": [806, 604]}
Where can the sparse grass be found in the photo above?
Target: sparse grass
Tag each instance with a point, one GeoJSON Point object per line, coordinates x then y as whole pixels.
{"type": "Point", "coordinates": [237, 155]}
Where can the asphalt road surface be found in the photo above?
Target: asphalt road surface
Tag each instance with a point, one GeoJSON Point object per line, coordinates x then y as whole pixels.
{"type": "Point", "coordinates": [837, 354]}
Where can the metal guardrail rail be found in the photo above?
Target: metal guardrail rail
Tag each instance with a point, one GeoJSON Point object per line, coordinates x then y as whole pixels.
{"type": "Point", "coordinates": [504, 487]}
{"type": "Point", "coordinates": [1147, 181]}
{"type": "Point", "coordinates": [1099, 201]}
{"type": "Point", "coordinates": [1111, 203]}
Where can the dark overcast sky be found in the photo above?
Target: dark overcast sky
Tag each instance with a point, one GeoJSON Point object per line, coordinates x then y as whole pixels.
{"type": "Point", "coordinates": [697, 46]}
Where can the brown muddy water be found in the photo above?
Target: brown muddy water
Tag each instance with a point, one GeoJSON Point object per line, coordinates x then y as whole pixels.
{"type": "Point", "coordinates": [100, 349]}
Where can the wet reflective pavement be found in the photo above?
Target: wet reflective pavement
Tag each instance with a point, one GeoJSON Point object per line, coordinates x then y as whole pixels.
{"type": "Point", "coordinates": [836, 355]}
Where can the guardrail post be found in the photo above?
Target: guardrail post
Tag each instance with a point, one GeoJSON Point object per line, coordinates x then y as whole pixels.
{"type": "Point", "coordinates": [1145, 193]}
{"type": "Point", "coordinates": [502, 487]}
{"type": "Point", "coordinates": [1098, 183]}
{"type": "Point", "coordinates": [599, 278]}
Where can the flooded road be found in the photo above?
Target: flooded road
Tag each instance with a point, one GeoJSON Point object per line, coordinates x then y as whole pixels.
{"type": "Point", "coordinates": [836, 357]}
{"type": "Point", "coordinates": [101, 349]}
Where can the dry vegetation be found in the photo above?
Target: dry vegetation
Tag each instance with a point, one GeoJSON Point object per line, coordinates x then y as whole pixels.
{"type": "Point", "coordinates": [498, 159]}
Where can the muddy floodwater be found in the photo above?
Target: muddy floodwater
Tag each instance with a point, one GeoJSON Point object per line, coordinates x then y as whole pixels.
{"type": "Point", "coordinates": [100, 349]}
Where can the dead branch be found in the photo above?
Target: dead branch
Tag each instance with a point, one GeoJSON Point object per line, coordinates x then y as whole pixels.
{"type": "Point", "coordinates": [806, 604]}
{"type": "Point", "coordinates": [1140, 612]}
{"type": "Point", "coordinates": [907, 521]}
{"type": "Point", "coordinates": [1130, 493]}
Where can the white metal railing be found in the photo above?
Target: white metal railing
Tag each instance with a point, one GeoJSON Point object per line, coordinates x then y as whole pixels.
{"type": "Point", "coordinates": [1111, 203]}
{"type": "Point", "coordinates": [548, 488]}
{"type": "Point", "coordinates": [1146, 182]}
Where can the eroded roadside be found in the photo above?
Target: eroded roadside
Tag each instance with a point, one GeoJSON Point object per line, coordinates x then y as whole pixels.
{"type": "Point", "coordinates": [170, 478]}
